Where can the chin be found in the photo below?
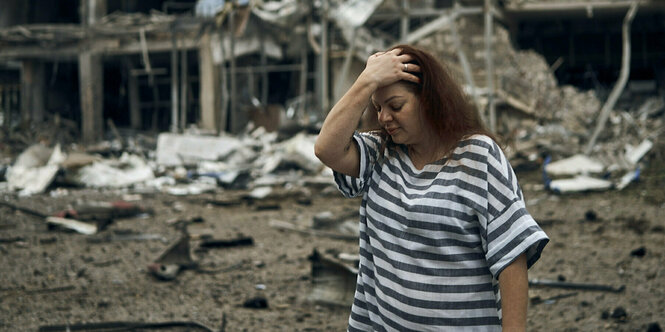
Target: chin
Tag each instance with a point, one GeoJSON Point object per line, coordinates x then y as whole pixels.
{"type": "Point", "coordinates": [397, 140]}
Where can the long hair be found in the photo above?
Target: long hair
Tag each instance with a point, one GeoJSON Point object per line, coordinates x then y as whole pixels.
{"type": "Point", "coordinates": [444, 104]}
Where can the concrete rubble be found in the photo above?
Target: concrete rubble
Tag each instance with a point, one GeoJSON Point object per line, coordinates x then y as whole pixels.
{"type": "Point", "coordinates": [181, 164]}
{"type": "Point", "coordinates": [543, 124]}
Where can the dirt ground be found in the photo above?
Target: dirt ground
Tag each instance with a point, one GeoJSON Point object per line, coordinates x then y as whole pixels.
{"type": "Point", "coordinates": [52, 276]}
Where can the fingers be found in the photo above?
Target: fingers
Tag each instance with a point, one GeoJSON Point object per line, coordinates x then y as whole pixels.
{"type": "Point", "coordinates": [411, 68]}
{"type": "Point", "coordinates": [410, 77]}
{"type": "Point", "coordinates": [388, 67]}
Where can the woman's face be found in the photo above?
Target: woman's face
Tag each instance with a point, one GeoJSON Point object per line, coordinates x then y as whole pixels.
{"type": "Point", "coordinates": [398, 111]}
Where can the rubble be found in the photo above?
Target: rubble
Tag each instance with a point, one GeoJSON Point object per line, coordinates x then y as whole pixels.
{"type": "Point", "coordinates": [269, 164]}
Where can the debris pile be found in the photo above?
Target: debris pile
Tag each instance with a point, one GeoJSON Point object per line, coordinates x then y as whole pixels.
{"type": "Point", "coordinates": [181, 164]}
{"type": "Point", "coordinates": [542, 121]}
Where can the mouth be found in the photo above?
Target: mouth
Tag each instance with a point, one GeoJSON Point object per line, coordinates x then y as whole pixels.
{"type": "Point", "coordinates": [391, 131]}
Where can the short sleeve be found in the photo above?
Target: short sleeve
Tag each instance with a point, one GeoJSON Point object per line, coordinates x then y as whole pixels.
{"type": "Point", "coordinates": [510, 229]}
{"type": "Point", "coordinates": [368, 146]}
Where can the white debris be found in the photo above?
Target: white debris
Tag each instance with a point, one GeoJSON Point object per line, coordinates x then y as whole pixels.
{"type": "Point", "coordinates": [629, 177]}
{"type": "Point", "coordinates": [577, 164]}
{"type": "Point", "coordinates": [300, 150]}
{"type": "Point", "coordinates": [578, 184]}
{"type": "Point", "coordinates": [260, 192]}
{"type": "Point", "coordinates": [354, 13]}
{"type": "Point", "coordinates": [634, 154]}
{"type": "Point", "coordinates": [195, 188]}
{"type": "Point", "coordinates": [128, 170]}
{"type": "Point", "coordinates": [79, 226]}
{"type": "Point", "coordinates": [35, 169]}
{"type": "Point", "coordinates": [175, 149]}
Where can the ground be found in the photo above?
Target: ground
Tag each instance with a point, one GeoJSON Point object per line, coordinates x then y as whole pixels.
{"type": "Point", "coordinates": [51, 276]}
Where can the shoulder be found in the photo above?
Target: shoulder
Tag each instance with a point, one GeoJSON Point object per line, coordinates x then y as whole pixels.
{"type": "Point", "coordinates": [477, 143]}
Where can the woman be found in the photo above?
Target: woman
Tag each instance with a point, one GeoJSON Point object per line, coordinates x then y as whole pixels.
{"type": "Point", "coordinates": [445, 239]}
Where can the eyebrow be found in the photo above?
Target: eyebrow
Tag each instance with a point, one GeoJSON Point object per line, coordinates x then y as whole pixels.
{"type": "Point", "coordinates": [387, 100]}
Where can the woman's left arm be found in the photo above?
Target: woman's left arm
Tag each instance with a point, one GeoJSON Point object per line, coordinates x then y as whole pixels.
{"type": "Point", "coordinates": [514, 288]}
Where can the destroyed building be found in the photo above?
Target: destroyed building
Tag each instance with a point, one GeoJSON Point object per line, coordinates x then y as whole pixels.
{"type": "Point", "coordinates": [543, 74]}
{"type": "Point", "coordinates": [157, 164]}
{"type": "Point", "coordinates": [166, 64]}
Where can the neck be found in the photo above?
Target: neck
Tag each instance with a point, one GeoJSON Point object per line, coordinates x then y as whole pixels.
{"type": "Point", "coordinates": [427, 152]}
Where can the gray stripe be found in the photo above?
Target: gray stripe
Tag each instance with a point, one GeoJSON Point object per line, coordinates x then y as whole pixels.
{"type": "Point", "coordinates": [518, 240]}
{"type": "Point", "coordinates": [436, 305]}
{"type": "Point", "coordinates": [427, 175]}
{"type": "Point", "coordinates": [442, 242]}
{"type": "Point", "coordinates": [434, 288]}
{"type": "Point", "coordinates": [433, 210]}
{"type": "Point", "coordinates": [427, 271]}
{"type": "Point", "coordinates": [408, 183]}
{"type": "Point", "coordinates": [508, 223]}
{"type": "Point", "coordinates": [498, 195]}
{"type": "Point", "coordinates": [427, 320]}
{"type": "Point", "coordinates": [495, 151]}
{"type": "Point", "coordinates": [434, 195]}
{"type": "Point", "coordinates": [419, 254]}
{"type": "Point", "coordinates": [353, 329]}
{"type": "Point", "coordinates": [344, 183]}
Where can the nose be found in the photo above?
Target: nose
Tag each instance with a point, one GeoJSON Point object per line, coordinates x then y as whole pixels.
{"type": "Point", "coordinates": [384, 116]}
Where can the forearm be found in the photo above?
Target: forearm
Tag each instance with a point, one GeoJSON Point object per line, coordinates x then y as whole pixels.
{"type": "Point", "coordinates": [514, 287]}
{"type": "Point", "coordinates": [336, 133]}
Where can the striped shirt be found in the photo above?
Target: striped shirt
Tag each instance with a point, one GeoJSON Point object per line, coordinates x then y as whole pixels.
{"type": "Point", "coordinates": [433, 241]}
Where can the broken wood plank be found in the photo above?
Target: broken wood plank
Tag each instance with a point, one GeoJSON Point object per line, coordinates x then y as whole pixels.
{"type": "Point", "coordinates": [79, 226]}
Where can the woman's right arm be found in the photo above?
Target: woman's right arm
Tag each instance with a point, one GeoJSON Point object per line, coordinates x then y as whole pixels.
{"type": "Point", "coordinates": [334, 145]}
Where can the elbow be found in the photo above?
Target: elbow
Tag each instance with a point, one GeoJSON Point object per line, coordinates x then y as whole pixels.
{"type": "Point", "coordinates": [325, 152]}
{"type": "Point", "coordinates": [320, 151]}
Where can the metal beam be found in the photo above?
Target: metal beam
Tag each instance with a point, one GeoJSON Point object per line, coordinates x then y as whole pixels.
{"type": "Point", "coordinates": [324, 59]}
{"type": "Point", "coordinates": [174, 84]}
{"type": "Point", "coordinates": [621, 82]}
{"type": "Point", "coordinates": [404, 21]}
{"type": "Point", "coordinates": [489, 64]}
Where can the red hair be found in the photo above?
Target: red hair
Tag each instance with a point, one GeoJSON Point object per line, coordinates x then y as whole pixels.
{"type": "Point", "coordinates": [444, 104]}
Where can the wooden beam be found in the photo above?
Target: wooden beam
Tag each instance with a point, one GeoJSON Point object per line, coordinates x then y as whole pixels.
{"type": "Point", "coordinates": [91, 92]}
{"type": "Point", "coordinates": [100, 45]}
{"type": "Point", "coordinates": [574, 6]}
{"type": "Point", "coordinates": [32, 90]}
{"type": "Point", "coordinates": [174, 85]}
{"type": "Point", "coordinates": [135, 118]}
{"type": "Point", "coordinates": [184, 88]}
{"type": "Point", "coordinates": [489, 63]}
{"type": "Point", "coordinates": [209, 92]}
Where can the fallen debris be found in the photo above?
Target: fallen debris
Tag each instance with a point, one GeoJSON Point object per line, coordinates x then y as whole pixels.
{"type": "Point", "coordinates": [103, 211]}
{"type": "Point", "coordinates": [26, 210]}
{"type": "Point", "coordinates": [111, 173]}
{"type": "Point", "coordinates": [125, 326]}
{"type": "Point", "coordinates": [34, 169]}
{"type": "Point", "coordinates": [258, 302]}
{"type": "Point", "coordinates": [220, 243]}
{"type": "Point", "coordinates": [40, 290]}
{"type": "Point", "coordinates": [333, 280]}
{"type": "Point", "coordinates": [552, 299]}
{"type": "Point", "coordinates": [308, 231]}
{"type": "Point", "coordinates": [571, 285]}
{"type": "Point", "coordinates": [79, 226]}
{"type": "Point", "coordinates": [11, 239]}
{"type": "Point", "coordinates": [126, 237]}
{"type": "Point", "coordinates": [175, 259]}
{"type": "Point", "coordinates": [619, 314]}
{"type": "Point", "coordinates": [639, 252]}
